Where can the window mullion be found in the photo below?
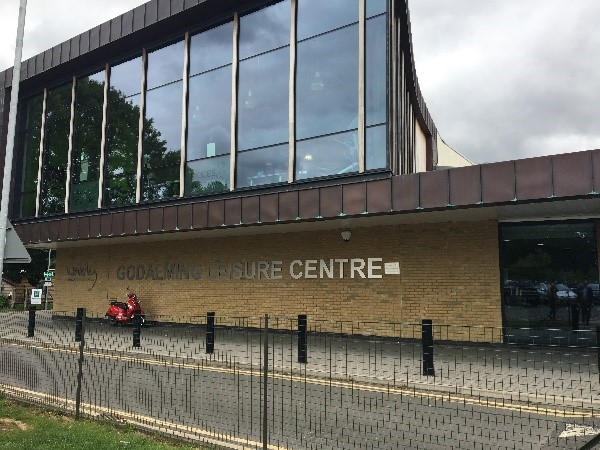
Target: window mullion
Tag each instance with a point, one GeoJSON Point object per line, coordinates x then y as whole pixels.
{"type": "Point", "coordinates": [103, 141]}
{"type": "Point", "coordinates": [361, 84]}
{"type": "Point", "coordinates": [184, 113]}
{"type": "Point", "coordinates": [41, 154]}
{"type": "Point", "coordinates": [70, 151]}
{"type": "Point", "coordinates": [138, 188]}
{"type": "Point", "coordinates": [292, 94]}
{"type": "Point", "coordinates": [234, 105]}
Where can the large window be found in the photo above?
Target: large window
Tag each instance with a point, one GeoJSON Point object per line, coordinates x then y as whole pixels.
{"type": "Point", "coordinates": [209, 112]}
{"type": "Point", "coordinates": [56, 150]}
{"type": "Point", "coordinates": [263, 96]}
{"type": "Point", "coordinates": [85, 159]}
{"type": "Point", "coordinates": [30, 149]}
{"type": "Point", "coordinates": [543, 269]}
{"type": "Point", "coordinates": [120, 171]}
{"type": "Point", "coordinates": [162, 124]}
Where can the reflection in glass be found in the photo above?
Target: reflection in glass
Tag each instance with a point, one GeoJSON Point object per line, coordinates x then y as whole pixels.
{"type": "Point", "coordinates": [211, 49]}
{"type": "Point", "coordinates": [85, 160]}
{"type": "Point", "coordinates": [122, 134]}
{"type": "Point", "coordinates": [532, 257]}
{"type": "Point", "coordinates": [318, 16]}
{"type": "Point", "coordinates": [263, 166]}
{"type": "Point", "coordinates": [375, 7]}
{"type": "Point", "coordinates": [56, 150]}
{"type": "Point", "coordinates": [327, 83]}
{"type": "Point", "coordinates": [207, 176]}
{"type": "Point", "coordinates": [209, 114]}
{"type": "Point", "coordinates": [329, 155]}
{"type": "Point", "coordinates": [376, 71]}
{"type": "Point", "coordinates": [376, 148]}
{"type": "Point", "coordinates": [165, 65]}
{"type": "Point", "coordinates": [263, 100]}
{"type": "Point", "coordinates": [265, 29]}
{"type": "Point", "coordinates": [30, 144]}
{"type": "Point", "coordinates": [162, 142]}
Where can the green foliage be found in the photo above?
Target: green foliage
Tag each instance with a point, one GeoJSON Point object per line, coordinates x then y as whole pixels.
{"type": "Point", "coordinates": [3, 302]}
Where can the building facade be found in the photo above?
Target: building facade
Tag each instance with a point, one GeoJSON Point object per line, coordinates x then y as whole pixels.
{"type": "Point", "coordinates": [278, 157]}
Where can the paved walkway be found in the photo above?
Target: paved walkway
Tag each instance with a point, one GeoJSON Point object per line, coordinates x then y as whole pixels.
{"type": "Point", "coordinates": [558, 377]}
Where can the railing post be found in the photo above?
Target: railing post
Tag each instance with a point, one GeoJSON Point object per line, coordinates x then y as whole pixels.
{"type": "Point", "coordinates": [137, 329]}
{"type": "Point", "coordinates": [302, 344]}
{"type": "Point", "coordinates": [598, 348]}
{"type": "Point", "coordinates": [427, 338]}
{"type": "Point", "coordinates": [210, 333]}
{"type": "Point", "coordinates": [80, 312]}
{"type": "Point", "coordinates": [79, 324]}
{"type": "Point", "coordinates": [265, 434]}
{"type": "Point", "coordinates": [31, 324]}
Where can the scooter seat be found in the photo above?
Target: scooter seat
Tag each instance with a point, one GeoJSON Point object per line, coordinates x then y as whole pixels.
{"type": "Point", "coordinates": [119, 305]}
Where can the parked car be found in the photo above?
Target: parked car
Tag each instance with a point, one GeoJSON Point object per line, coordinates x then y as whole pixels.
{"type": "Point", "coordinates": [595, 291]}
{"type": "Point", "coordinates": [522, 293]}
{"type": "Point", "coordinates": [564, 293]}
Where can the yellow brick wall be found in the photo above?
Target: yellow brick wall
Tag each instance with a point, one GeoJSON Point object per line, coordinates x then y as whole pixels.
{"type": "Point", "coordinates": [449, 273]}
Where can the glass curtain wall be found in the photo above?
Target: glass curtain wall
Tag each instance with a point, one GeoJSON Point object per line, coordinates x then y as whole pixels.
{"type": "Point", "coordinates": [263, 96]}
{"type": "Point", "coordinates": [56, 150]}
{"type": "Point", "coordinates": [120, 171]}
{"type": "Point", "coordinates": [209, 112]}
{"type": "Point", "coordinates": [162, 124]}
{"type": "Point", "coordinates": [30, 136]}
{"type": "Point", "coordinates": [87, 138]}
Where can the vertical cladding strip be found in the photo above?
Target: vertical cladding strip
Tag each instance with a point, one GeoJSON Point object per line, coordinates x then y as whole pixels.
{"type": "Point", "coordinates": [41, 154]}
{"type": "Point", "coordinates": [70, 151]}
{"type": "Point", "coordinates": [361, 84]}
{"type": "Point", "coordinates": [138, 187]}
{"type": "Point", "coordinates": [292, 94]}
{"type": "Point", "coordinates": [103, 140]}
{"type": "Point", "coordinates": [184, 109]}
{"type": "Point", "coordinates": [234, 77]}
{"type": "Point", "coordinates": [393, 83]}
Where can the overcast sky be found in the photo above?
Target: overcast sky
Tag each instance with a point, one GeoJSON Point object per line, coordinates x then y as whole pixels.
{"type": "Point", "coordinates": [503, 79]}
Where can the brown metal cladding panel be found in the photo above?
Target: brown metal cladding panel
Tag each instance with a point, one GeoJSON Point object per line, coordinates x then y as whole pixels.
{"type": "Point", "coordinates": [465, 185]}
{"type": "Point", "coordinates": [105, 224]}
{"type": "Point", "coordinates": [48, 59]}
{"type": "Point", "coordinates": [84, 227]}
{"type": "Point", "coordinates": [95, 38]}
{"type": "Point", "coordinates": [269, 207]}
{"type": "Point", "coordinates": [63, 230]}
{"type": "Point", "coordinates": [105, 33]}
{"type": "Point", "coordinates": [596, 170]}
{"type": "Point", "coordinates": [434, 189]}
{"type": "Point", "coordinates": [216, 213]}
{"type": "Point", "coordinates": [94, 226]}
{"type": "Point", "coordinates": [250, 209]}
{"type": "Point", "coordinates": [35, 232]}
{"type": "Point", "coordinates": [23, 231]}
{"type": "Point", "coordinates": [25, 70]}
{"type": "Point", "coordinates": [53, 230]}
{"type": "Point", "coordinates": [572, 174]}
{"type": "Point", "coordinates": [177, 6]}
{"type": "Point", "coordinates": [164, 9]}
{"type": "Point", "coordinates": [534, 178]}
{"type": "Point", "coordinates": [308, 203]}
{"type": "Point", "coordinates": [2, 79]}
{"type": "Point", "coordinates": [184, 217]}
{"type": "Point", "coordinates": [56, 55]}
{"type": "Point", "coordinates": [170, 218]}
{"type": "Point", "coordinates": [233, 211]}
{"type": "Point", "coordinates": [117, 223]}
{"type": "Point", "coordinates": [405, 192]}
{"type": "Point", "coordinates": [73, 228]}
{"type": "Point", "coordinates": [498, 182]}
{"type": "Point", "coordinates": [190, 3]}
{"type": "Point", "coordinates": [379, 196]}
{"type": "Point", "coordinates": [84, 43]}
{"type": "Point", "coordinates": [142, 221]}
{"type": "Point", "coordinates": [156, 220]}
{"type": "Point", "coordinates": [129, 222]}
{"type": "Point", "coordinates": [74, 47]}
{"type": "Point", "coordinates": [288, 206]}
{"type": "Point", "coordinates": [44, 232]}
{"type": "Point", "coordinates": [65, 52]}
{"type": "Point", "coordinates": [115, 28]}
{"type": "Point", "coordinates": [138, 18]}
{"type": "Point", "coordinates": [354, 198]}
{"type": "Point", "coordinates": [126, 23]}
{"type": "Point", "coordinates": [39, 65]}
{"type": "Point", "coordinates": [151, 12]}
{"type": "Point", "coordinates": [200, 215]}
{"type": "Point", "coordinates": [330, 201]}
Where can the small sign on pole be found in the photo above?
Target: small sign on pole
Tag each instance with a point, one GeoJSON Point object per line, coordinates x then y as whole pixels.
{"type": "Point", "coordinates": [36, 296]}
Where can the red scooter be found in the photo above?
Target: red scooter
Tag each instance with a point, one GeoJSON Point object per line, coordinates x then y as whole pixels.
{"type": "Point", "coordinates": [121, 313]}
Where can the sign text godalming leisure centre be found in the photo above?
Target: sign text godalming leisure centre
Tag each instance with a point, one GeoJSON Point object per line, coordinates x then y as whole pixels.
{"type": "Point", "coordinates": [262, 270]}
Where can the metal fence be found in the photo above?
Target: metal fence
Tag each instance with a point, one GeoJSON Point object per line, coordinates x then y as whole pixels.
{"type": "Point", "coordinates": [240, 382]}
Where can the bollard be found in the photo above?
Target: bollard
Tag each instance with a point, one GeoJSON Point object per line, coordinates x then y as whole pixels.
{"type": "Point", "coordinates": [79, 324]}
{"type": "Point", "coordinates": [81, 320]}
{"type": "Point", "coordinates": [427, 338]}
{"type": "Point", "coordinates": [137, 329]}
{"type": "Point", "coordinates": [210, 333]}
{"type": "Point", "coordinates": [302, 345]}
{"type": "Point", "coordinates": [31, 325]}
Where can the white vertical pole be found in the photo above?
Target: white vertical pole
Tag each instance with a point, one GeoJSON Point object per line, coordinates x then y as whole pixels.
{"type": "Point", "coordinates": [12, 125]}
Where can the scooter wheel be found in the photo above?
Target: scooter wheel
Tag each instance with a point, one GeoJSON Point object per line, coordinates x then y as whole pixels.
{"type": "Point", "coordinates": [112, 322]}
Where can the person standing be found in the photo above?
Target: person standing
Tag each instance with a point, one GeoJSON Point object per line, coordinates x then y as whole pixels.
{"type": "Point", "coordinates": [585, 297]}
{"type": "Point", "coordinates": [552, 300]}
{"type": "Point", "coordinates": [575, 308]}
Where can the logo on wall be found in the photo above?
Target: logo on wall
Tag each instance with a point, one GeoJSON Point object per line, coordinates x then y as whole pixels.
{"type": "Point", "coordinates": [83, 274]}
